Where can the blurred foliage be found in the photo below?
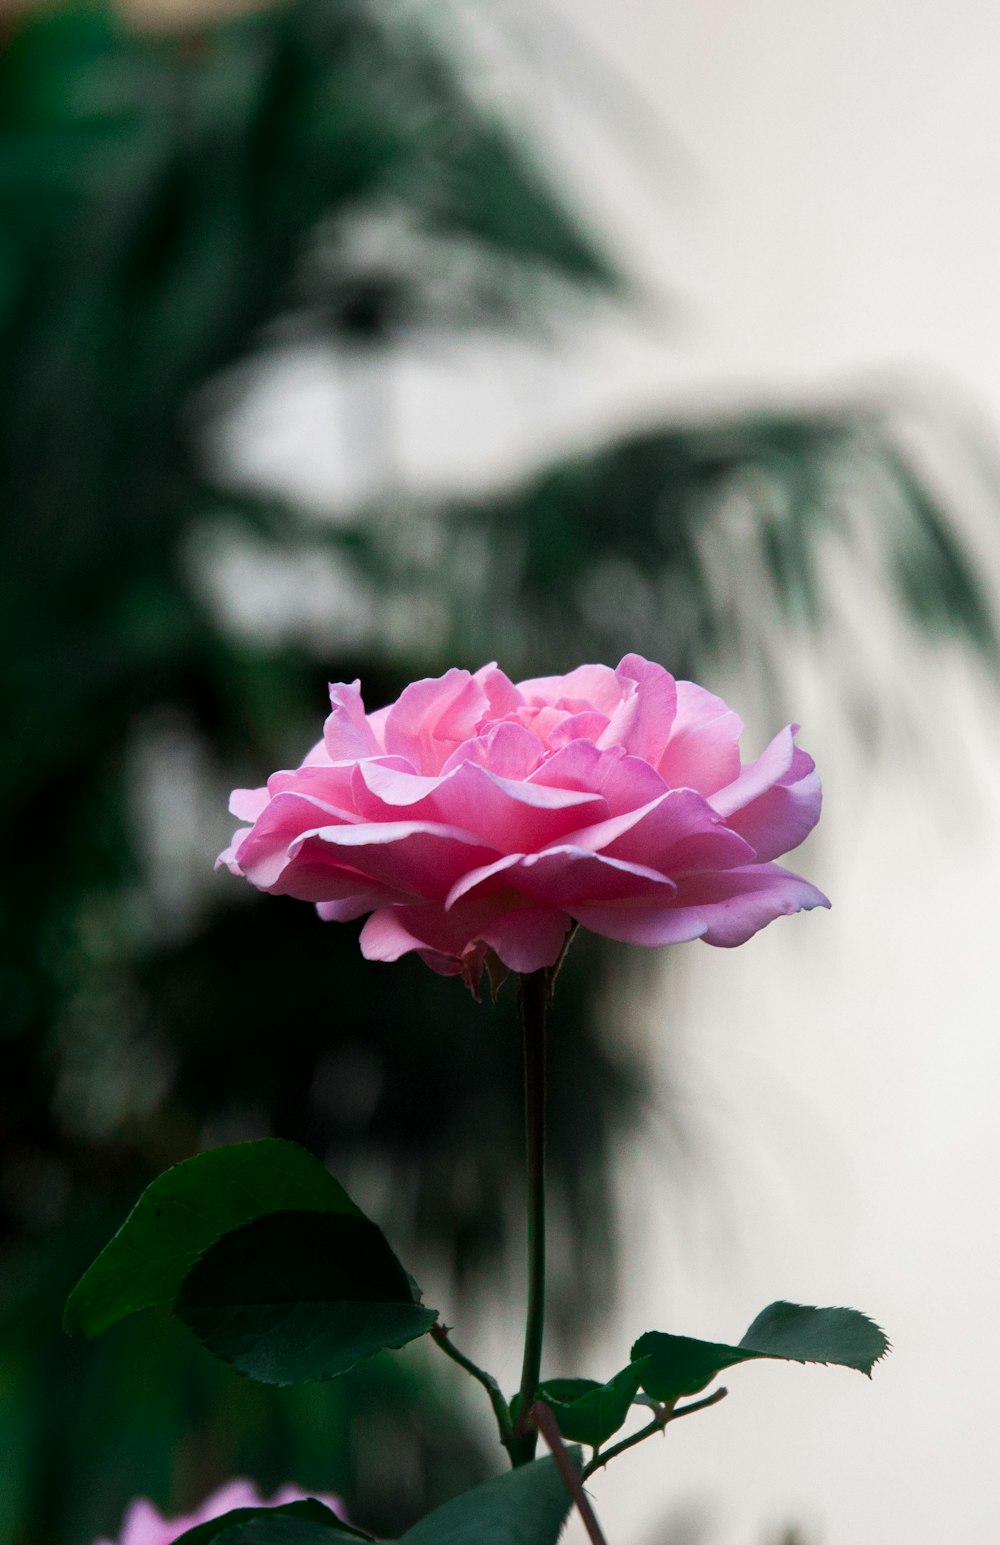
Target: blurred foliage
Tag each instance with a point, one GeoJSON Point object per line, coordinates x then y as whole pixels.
{"type": "Point", "coordinates": [171, 207]}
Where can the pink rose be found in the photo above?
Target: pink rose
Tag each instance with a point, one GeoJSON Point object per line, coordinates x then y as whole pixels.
{"type": "Point", "coordinates": [143, 1525]}
{"type": "Point", "coordinates": [474, 814]}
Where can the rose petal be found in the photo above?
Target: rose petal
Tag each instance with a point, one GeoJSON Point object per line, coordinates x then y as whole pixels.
{"type": "Point", "coordinates": [703, 751]}
{"type": "Point", "coordinates": [509, 750]}
{"type": "Point", "coordinates": [773, 764]}
{"type": "Point", "coordinates": [643, 719]}
{"type": "Point", "coordinates": [500, 811]}
{"type": "Point", "coordinates": [347, 734]}
{"type": "Point", "coordinates": [589, 686]}
{"type": "Point", "coordinates": [782, 817]}
{"type": "Point", "coordinates": [421, 858]}
{"type": "Point", "coordinates": [723, 909]}
{"type": "Point", "coordinates": [248, 804]}
{"type": "Point", "coordinates": [432, 717]}
{"type": "Point", "coordinates": [561, 876]}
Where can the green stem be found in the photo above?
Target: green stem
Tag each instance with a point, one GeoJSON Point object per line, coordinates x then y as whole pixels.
{"type": "Point", "coordinates": [535, 994]}
{"type": "Point", "coordinates": [665, 1415]}
{"type": "Point", "coordinates": [501, 1410]}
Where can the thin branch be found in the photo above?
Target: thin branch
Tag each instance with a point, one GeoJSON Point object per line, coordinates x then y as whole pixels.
{"type": "Point", "coordinates": [549, 1429]}
{"type": "Point", "coordinates": [501, 1410]}
{"type": "Point", "coordinates": [664, 1415]}
{"type": "Point", "coordinates": [701, 1405]}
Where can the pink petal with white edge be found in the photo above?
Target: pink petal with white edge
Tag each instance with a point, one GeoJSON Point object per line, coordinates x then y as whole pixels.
{"type": "Point", "coordinates": [703, 751]}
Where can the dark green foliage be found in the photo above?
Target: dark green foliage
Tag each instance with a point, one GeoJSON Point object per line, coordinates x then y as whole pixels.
{"type": "Point", "coordinates": [586, 1411]}
{"type": "Point", "coordinates": [680, 1365]}
{"type": "Point", "coordinates": [527, 1504]}
{"type": "Point", "coordinates": [297, 1296]}
{"type": "Point", "coordinates": [296, 1523]}
{"type": "Point", "coordinates": [806, 1335]}
{"type": "Point", "coordinates": [188, 1209]}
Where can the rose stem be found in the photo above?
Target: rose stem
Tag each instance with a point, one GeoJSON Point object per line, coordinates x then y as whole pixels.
{"type": "Point", "coordinates": [534, 1000]}
{"type": "Point", "coordinates": [548, 1427]}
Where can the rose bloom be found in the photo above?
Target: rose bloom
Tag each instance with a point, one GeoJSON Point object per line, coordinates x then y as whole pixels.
{"type": "Point", "coordinates": [143, 1525]}
{"type": "Point", "coordinates": [475, 815]}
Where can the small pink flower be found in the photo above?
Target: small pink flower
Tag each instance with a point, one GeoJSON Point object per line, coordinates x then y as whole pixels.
{"type": "Point", "coordinates": [474, 814]}
{"type": "Point", "coordinates": [143, 1525]}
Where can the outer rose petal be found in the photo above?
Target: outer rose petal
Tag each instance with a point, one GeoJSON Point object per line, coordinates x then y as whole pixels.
{"type": "Point", "coordinates": [771, 767]}
{"type": "Point", "coordinates": [525, 939]}
{"type": "Point", "coordinates": [248, 804]}
{"type": "Point", "coordinates": [563, 875]}
{"type": "Point", "coordinates": [778, 820]}
{"type": "Point", "coordinates": [418, 858]}
{"type": "Point", "coordinates": [723, 909]}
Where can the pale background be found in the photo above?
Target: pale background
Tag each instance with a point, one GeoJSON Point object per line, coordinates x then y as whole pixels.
{"type": "Point", "coordinates": [812, 194]}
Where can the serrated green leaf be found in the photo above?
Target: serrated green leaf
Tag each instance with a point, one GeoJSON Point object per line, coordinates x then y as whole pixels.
{"type": "Point", "coordinates": [526, 1506]}
{"type": "Point", "coordinates": [297, 1296]}
{"type": "Point", "coordinates": [585, 1410]}
{"type": "Point", "coordinates": [681, 1365]}
{"type": "Point", "coordinates": [294, 1523]}
{"type": "Point", "coordinates": [183, 1212]}
{"type": "Point", "coordinates": [806, 1335]}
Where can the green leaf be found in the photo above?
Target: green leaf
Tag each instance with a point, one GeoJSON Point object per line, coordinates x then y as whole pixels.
{"type": "Point", "coordinates": [806, 1335]}
{"type": "Point", "coordinates": [183, 1212]}
{"type": "Point", "coordinates": [295, 1523]}
{"type": "Point", "coordinates": [586, 1411]}
{"type": "Point", "coordinates": [297, 1296]}
{"type": "Point", "coordinates": [526, 1506]}
{"type": "Point", "coordinates": [680, 1365]}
